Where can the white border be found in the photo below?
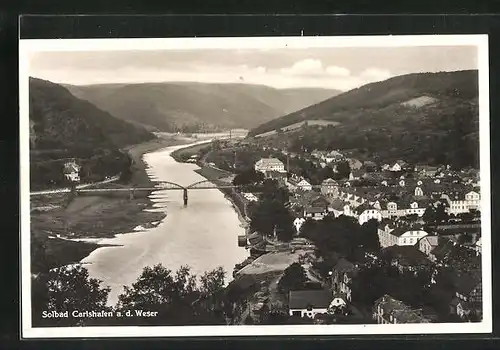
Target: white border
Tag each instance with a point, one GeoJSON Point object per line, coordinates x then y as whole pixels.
{"type": "Point", "coordinates": [26, 47]}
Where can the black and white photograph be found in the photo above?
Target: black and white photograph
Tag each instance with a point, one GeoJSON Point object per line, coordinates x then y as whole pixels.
{"type": "Point", "coordinates": [255, 186]}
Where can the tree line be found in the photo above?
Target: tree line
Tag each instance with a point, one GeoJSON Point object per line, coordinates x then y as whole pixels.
{"type": "Point", "coordinates": [174, 298]}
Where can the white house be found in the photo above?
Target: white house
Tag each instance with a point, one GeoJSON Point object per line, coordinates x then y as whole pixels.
{"type": "Point", "coordinates": [302, 184]}
{"type": "Point", "coordinates": [460, 203]}
{"type": "Point", "coordinates": [298, 222]}
{"type": "Point", "coordinates": [401, 236]}
{"type": "Point", "coordinates": [309, 303]}
{"type": "Point", "coordinates": [427, 244]}
{"type": "Point", "coordinates": [369, 214]}
{"type": "Point", "coordinates": [478, 246]}
{"type": "Point", "coordinates": [398, 166]}
{"type": "Point", "coordinates": [330, 187]}
{"type": "Point", "coordinates": [72, 171]}
{"type": "Point", "coordinates": [269, 164]}
{"type": "Point", "coordinates": [333, 156]}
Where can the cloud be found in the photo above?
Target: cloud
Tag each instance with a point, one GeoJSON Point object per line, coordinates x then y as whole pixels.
{"type": "Point", "coordinates": [308, 66]}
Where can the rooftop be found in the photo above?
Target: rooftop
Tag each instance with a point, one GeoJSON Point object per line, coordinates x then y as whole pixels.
{"type": "Point", "coordinates": [302, 299]}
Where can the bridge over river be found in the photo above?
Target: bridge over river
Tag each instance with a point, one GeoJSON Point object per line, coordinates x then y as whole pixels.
{"type": "Point", "coordinates": [222, 183]}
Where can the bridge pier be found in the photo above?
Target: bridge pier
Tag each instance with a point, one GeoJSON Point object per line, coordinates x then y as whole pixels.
{"type": "Point", "coordinates": [185, 196]}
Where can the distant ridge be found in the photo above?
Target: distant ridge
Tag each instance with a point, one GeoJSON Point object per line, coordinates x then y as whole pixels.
{"type": "Point", "coordinates": [187, 106]}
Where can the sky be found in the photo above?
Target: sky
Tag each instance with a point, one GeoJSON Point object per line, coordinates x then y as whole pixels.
{"type": "Point", "coordinates": [334, 68]}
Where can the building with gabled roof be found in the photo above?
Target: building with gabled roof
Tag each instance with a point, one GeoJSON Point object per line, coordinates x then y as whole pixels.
{"type": "Point", "coordinates": [269, 164]}
{"type": "Point", "coordinates": [388, 310]}
{"type": "Point", "coordinates": [403, 235]}
{"type": "Point", "coordinates": [309, 303]}
{"type": "Point", "coordinates": [330, 187]}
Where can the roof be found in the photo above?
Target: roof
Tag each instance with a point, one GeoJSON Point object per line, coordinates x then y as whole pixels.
{"type": "Point", "coordinates": [314, 210]}
{"type": "Point", "coordinates": [337, 204]}
{"type": "Point", "coordinates": [399, 231]}
{"type": "Point", "coordinates": [269, 161]}
{"type": "Point", "coordinates": [407, 255]}
{"type": "Point", "coordinates": [442, 249]}
{"type": "Point", "coordinates": [369, 163]}
{"type": "Point", "coordinates": [399, 310]}
{"type": "Point", "coordinates": [335, 154]}
{"type": "Point", "coordinates": [302, 299]}
{"type": "Point", "coordinates": [433, 240]}
{"type": "Point", "coordinates": [329, 181]}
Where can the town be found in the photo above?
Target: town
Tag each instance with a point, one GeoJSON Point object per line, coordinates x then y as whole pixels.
{"type": "Point", "coordinates": [376, 242]}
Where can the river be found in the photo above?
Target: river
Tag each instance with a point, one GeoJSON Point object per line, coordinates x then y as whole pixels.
{"type": "Point", "coordinates": [202, 235]}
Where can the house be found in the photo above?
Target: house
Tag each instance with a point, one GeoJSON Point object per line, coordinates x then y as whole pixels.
{"type": "Point", "coordinates": [400, 235]}
{"type": "Point", "coordinates": [400, 165]}
{"type": "Point", "coordinates": [280, 176]}
{"type": "Point", "coordinates": [298, 183]}
{"type": "Point", "coordinates": [478, 246]}
{"type": "Point", "coordinates": [319, 154]}
{"type": "Point", "coordinates": [338, 304]}
{"type": "Point", "coordinates": [427, 244]}
{"type": "Point", "coordinates": [317, 209]}
{"type": "Point", "coordinates": [269, 164]}
{"type": "Point", "coordinates": [336, 206]}
{"type": "Point", "coordinates": [387, 310]}
{"type": "Point", "coordinates": [370, 167]}
{"type": "Point", "coordinates": [354, 164]}
{"type": "Point", "coordinates": [356, 174]}
{"type": "Point", "coordinates": [72, 171]}
{"type": "Point", "coordinates": [442, 251]}
{"type": "Point", "coordinates": [367, 212]}
{"type": "Point", "coordinates": [298, 222]}
{"type": "Point", "coordinates": [463, 200]}
{"type": "Point", "coordinates": [342, 274]}
{"type": "Point", "coordinates": [407, 258]}
{"type": "Point", "coordinates": [333, 156]}
{"type": "Point", "coordinates": [330, 187]}
{"type": "Point", "coordinates": [426, 170]}
{"type": "Point", "coordinates": [309, 303]}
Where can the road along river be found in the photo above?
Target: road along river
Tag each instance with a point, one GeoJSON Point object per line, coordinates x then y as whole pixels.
{"type": "Point", "coordinates": [203, 235]}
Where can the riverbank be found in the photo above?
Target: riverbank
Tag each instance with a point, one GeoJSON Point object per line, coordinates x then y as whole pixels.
{"type": "Point", "coordinates": [72, 219]}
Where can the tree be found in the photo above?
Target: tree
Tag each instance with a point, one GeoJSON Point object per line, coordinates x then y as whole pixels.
{"type": "Point", "coordinates": [369, 239]}
{"type": "Point", "coordinates": [294, 278]}
{"type": "Point", "coordinates": [429, 216]}
{"type": "Point", "coordinates": [68, 288]}
{"type": "Point", "coordinates": [247, 177]}
{"type": "Point", "coordinates": [343, 170]}
{"type": "Point", "coordinates": [269, 217]}
{"type": "Point", "coordinates": [441, 214]}
{"type": "Point", "coordinates": [177, 298]}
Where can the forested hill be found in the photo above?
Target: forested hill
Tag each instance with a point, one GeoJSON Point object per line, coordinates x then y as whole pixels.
{"type": "Point", "coordinates": [191, 106]}
{"type": "Point", "coordinates": [63, 121]}
{"type": "Point", "coordinates": [63, 126]}
{"type": "Point", "coordinates": [422, 117]}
